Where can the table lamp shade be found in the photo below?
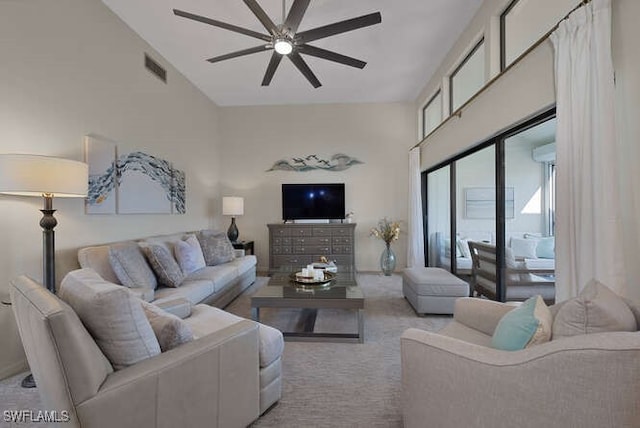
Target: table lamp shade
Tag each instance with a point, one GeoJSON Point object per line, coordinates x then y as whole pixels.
{"type": "Point", "coordinates": [34, 175]}
{"type": "Point", "coordinates": [232, 205]}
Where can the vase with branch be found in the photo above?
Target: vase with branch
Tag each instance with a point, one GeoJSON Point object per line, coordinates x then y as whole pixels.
{"type": "Point", "coordinates": [388, 231]}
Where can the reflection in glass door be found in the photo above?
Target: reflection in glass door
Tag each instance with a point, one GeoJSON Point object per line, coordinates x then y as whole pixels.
{"type": "Point", "coordinates": [529, 220]}
{"type": "Point", "coordinates": [476, 204]}
{"type": "Point", "coordinates": [439, 218]}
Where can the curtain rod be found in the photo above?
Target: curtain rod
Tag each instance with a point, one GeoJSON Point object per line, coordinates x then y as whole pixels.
{"type": "Point", "coordinates": [458, 112]}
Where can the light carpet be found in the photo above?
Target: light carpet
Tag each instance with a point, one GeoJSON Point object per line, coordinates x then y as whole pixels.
{"type": "Point", "coordinates": [324, 384]}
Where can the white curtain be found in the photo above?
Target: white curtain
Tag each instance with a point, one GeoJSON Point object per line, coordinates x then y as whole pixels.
{"type": "Point", "coordinates": [415, 252]}
{"type": "Point", "coordinates": [588, 217]}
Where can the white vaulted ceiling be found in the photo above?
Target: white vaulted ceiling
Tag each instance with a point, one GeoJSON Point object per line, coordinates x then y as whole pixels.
{"type": "Point", "coordinates": [401, 53]}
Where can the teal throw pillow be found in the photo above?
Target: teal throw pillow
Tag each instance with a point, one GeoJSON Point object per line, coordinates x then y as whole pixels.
{"type": "Point", "coordinates": [528, 324]}
{"type": "Point", "coordinates": [546, 248]}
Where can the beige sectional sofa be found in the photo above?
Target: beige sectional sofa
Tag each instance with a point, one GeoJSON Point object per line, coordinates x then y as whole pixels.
{"type": "Point", "coordinates": [214, 285]}
{"type": "Point", "coordinates": [216, 379]}
{"type": "Point", "coordinates": [193, 299]}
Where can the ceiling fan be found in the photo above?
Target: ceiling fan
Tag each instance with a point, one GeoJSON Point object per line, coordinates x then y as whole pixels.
{"type": "Point", "coordinates": [286, 41]}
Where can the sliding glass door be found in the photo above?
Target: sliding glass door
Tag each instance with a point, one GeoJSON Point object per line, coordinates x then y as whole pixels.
{"type": "Point", "coordinates": [499, 197]}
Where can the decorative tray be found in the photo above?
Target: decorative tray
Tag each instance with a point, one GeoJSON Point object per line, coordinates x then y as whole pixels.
{"type": "Point", "coordinates": [328, 276]}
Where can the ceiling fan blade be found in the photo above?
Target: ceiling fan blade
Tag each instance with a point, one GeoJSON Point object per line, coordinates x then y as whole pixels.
{"type": "Point", "coordinates": [297, 60]}
{"type": "Point", "coordinates": [271, 68]}
{"type": "Point", "coordinates": [295, 15]}
{"type": "Point", "coordinates": [240, 53]}
{"type": "Point", "coordinates": [331, 56]}
{"type": "Point", "coordinates": [224, 25]}
{"type": "Point", "coordinates": [339, 27]}
{"type": "Point", "coordinates": [262, 16]}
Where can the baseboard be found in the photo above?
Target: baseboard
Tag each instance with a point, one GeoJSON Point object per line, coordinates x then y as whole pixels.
{"type": "Point", "coordinates": [14, 369]}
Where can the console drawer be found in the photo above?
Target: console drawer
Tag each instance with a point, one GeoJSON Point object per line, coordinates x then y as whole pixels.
{"type": "Point", "coordinates": [281, 250]}
{"type": "Point", "coordinates": [312, 249]}
{"type": "Point", "coordinates": [341, 240]}
{"type": "Point", "coordinates": [295, 260]}
{"type": "Point", "coordinates": [300, 231]}
{"type": "Point", "coordinates": [311, 241]}
{"type": "Point", "coordinates": [342, 249]}
{"type": "Point", "coordinates": [341, 231]}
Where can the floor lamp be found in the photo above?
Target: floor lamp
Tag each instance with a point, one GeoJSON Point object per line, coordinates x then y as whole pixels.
{"type": "Point", "coordinates": [46, 177]}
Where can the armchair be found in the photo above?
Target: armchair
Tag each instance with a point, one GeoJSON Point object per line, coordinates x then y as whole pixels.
{"type": "Point", "coordinates": [454, 379]}
{"type": "Point", "coordinates": [212, 381]}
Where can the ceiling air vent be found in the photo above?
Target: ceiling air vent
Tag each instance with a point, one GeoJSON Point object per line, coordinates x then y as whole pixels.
{"type": "Point", "coordinates": [155, 68]}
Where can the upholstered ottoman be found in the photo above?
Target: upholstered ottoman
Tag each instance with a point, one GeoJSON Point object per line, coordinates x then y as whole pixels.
{"type": "Point", "coordinates": [432, 290]}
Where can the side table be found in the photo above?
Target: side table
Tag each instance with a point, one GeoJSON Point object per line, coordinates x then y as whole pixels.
{"type": "Point", "coordinates": [244, 245]}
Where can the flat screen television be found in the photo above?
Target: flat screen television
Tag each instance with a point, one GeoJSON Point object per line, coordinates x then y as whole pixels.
{"type": "Point", "coordinates": [313, 201]}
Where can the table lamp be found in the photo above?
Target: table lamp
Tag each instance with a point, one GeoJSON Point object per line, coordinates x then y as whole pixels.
{"type": "Point", "coordinates": [233, 206]}
{"type": "Point", "coordinates": [34, 175]}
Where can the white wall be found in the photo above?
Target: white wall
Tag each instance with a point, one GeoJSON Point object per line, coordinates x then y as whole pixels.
{"type": "Point", "coordinates": [380, 135]}
{"type": "Point", "coordinates": [69, 68]}
{"type": "Point", "coordinates": [528, 88]}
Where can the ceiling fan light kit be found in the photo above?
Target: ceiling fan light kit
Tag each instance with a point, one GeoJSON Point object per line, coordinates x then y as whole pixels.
{"type": "Point", "coordinates": [285, 40]}
{"type": "Point", "coordinates": [283, 46]}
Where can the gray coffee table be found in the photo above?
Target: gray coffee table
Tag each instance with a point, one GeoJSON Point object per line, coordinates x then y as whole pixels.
{"type": "Point", "coordinates": [342, 293]}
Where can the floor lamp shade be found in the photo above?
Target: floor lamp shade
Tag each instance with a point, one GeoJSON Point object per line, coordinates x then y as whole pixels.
{"type": "Point", "coordinates": [44, 176]}
{"type": "Point", "coordinates": [233, 206]}
{"type": "Point", "coordinates": [33, 175]}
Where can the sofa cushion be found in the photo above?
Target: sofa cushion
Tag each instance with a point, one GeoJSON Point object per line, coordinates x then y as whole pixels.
{"type": "Point", "coordinates": [523, 327]}
{"type": "Point", "coordinates": [170, 330]}
{"type": "Point", "coordinates": [97, 258]}
{"type": "Point", "coordinates": [525, 248]}
{"type": "Point", "coordinates": [164, 265]}
{"type": "Point", "coordinates": [177, 306]}
{"type": "Point", "coordinates": [112, 315]}
{"type": "Point", "coordinates": [597, 309]}
{"type": "Point", "coordinates": [245, 263]}
{"type": "Point", "coordinates": [216, 247]}
{"type": "Point", "coordinates": [206, 320]}
{"type": "Point", "coordinates": [189, 255]}
{"type": "Point", "coordinates": [195, 291]}
{"type": "Point", "coordinates": [271, 345]}
{"type": "Point", "coordinates": [167, 241]}
{"type": "Point", "coordinates": [130, 266]}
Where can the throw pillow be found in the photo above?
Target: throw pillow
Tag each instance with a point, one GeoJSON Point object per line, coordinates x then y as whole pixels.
{"type": "Point", "coordinates": [216, 247]}
{"type": "Point", "coordinates": [525, 248]}
{"type": "Point", "coordinates": [112, 315]}
{"type": "Point", "coordinates": [546, 248]}
{"type": "Point", "coordinates": [164, 265]}
{"type": "Point", "coordinates": [463, 248]}
{"type": "Point", "coordinates": [170, 330]}
{"type": "Point", "coordinates": [130, 266]}
{"type": "Point", "coordinates": [189, 255]}
{"type": "Point", "coordinates": [527, 325]}
{"type": "Point", "coordinates": [597, 309]}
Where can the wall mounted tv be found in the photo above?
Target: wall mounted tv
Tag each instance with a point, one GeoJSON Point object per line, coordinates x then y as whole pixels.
{"type": "Point", "coordinates": [313, 201]}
